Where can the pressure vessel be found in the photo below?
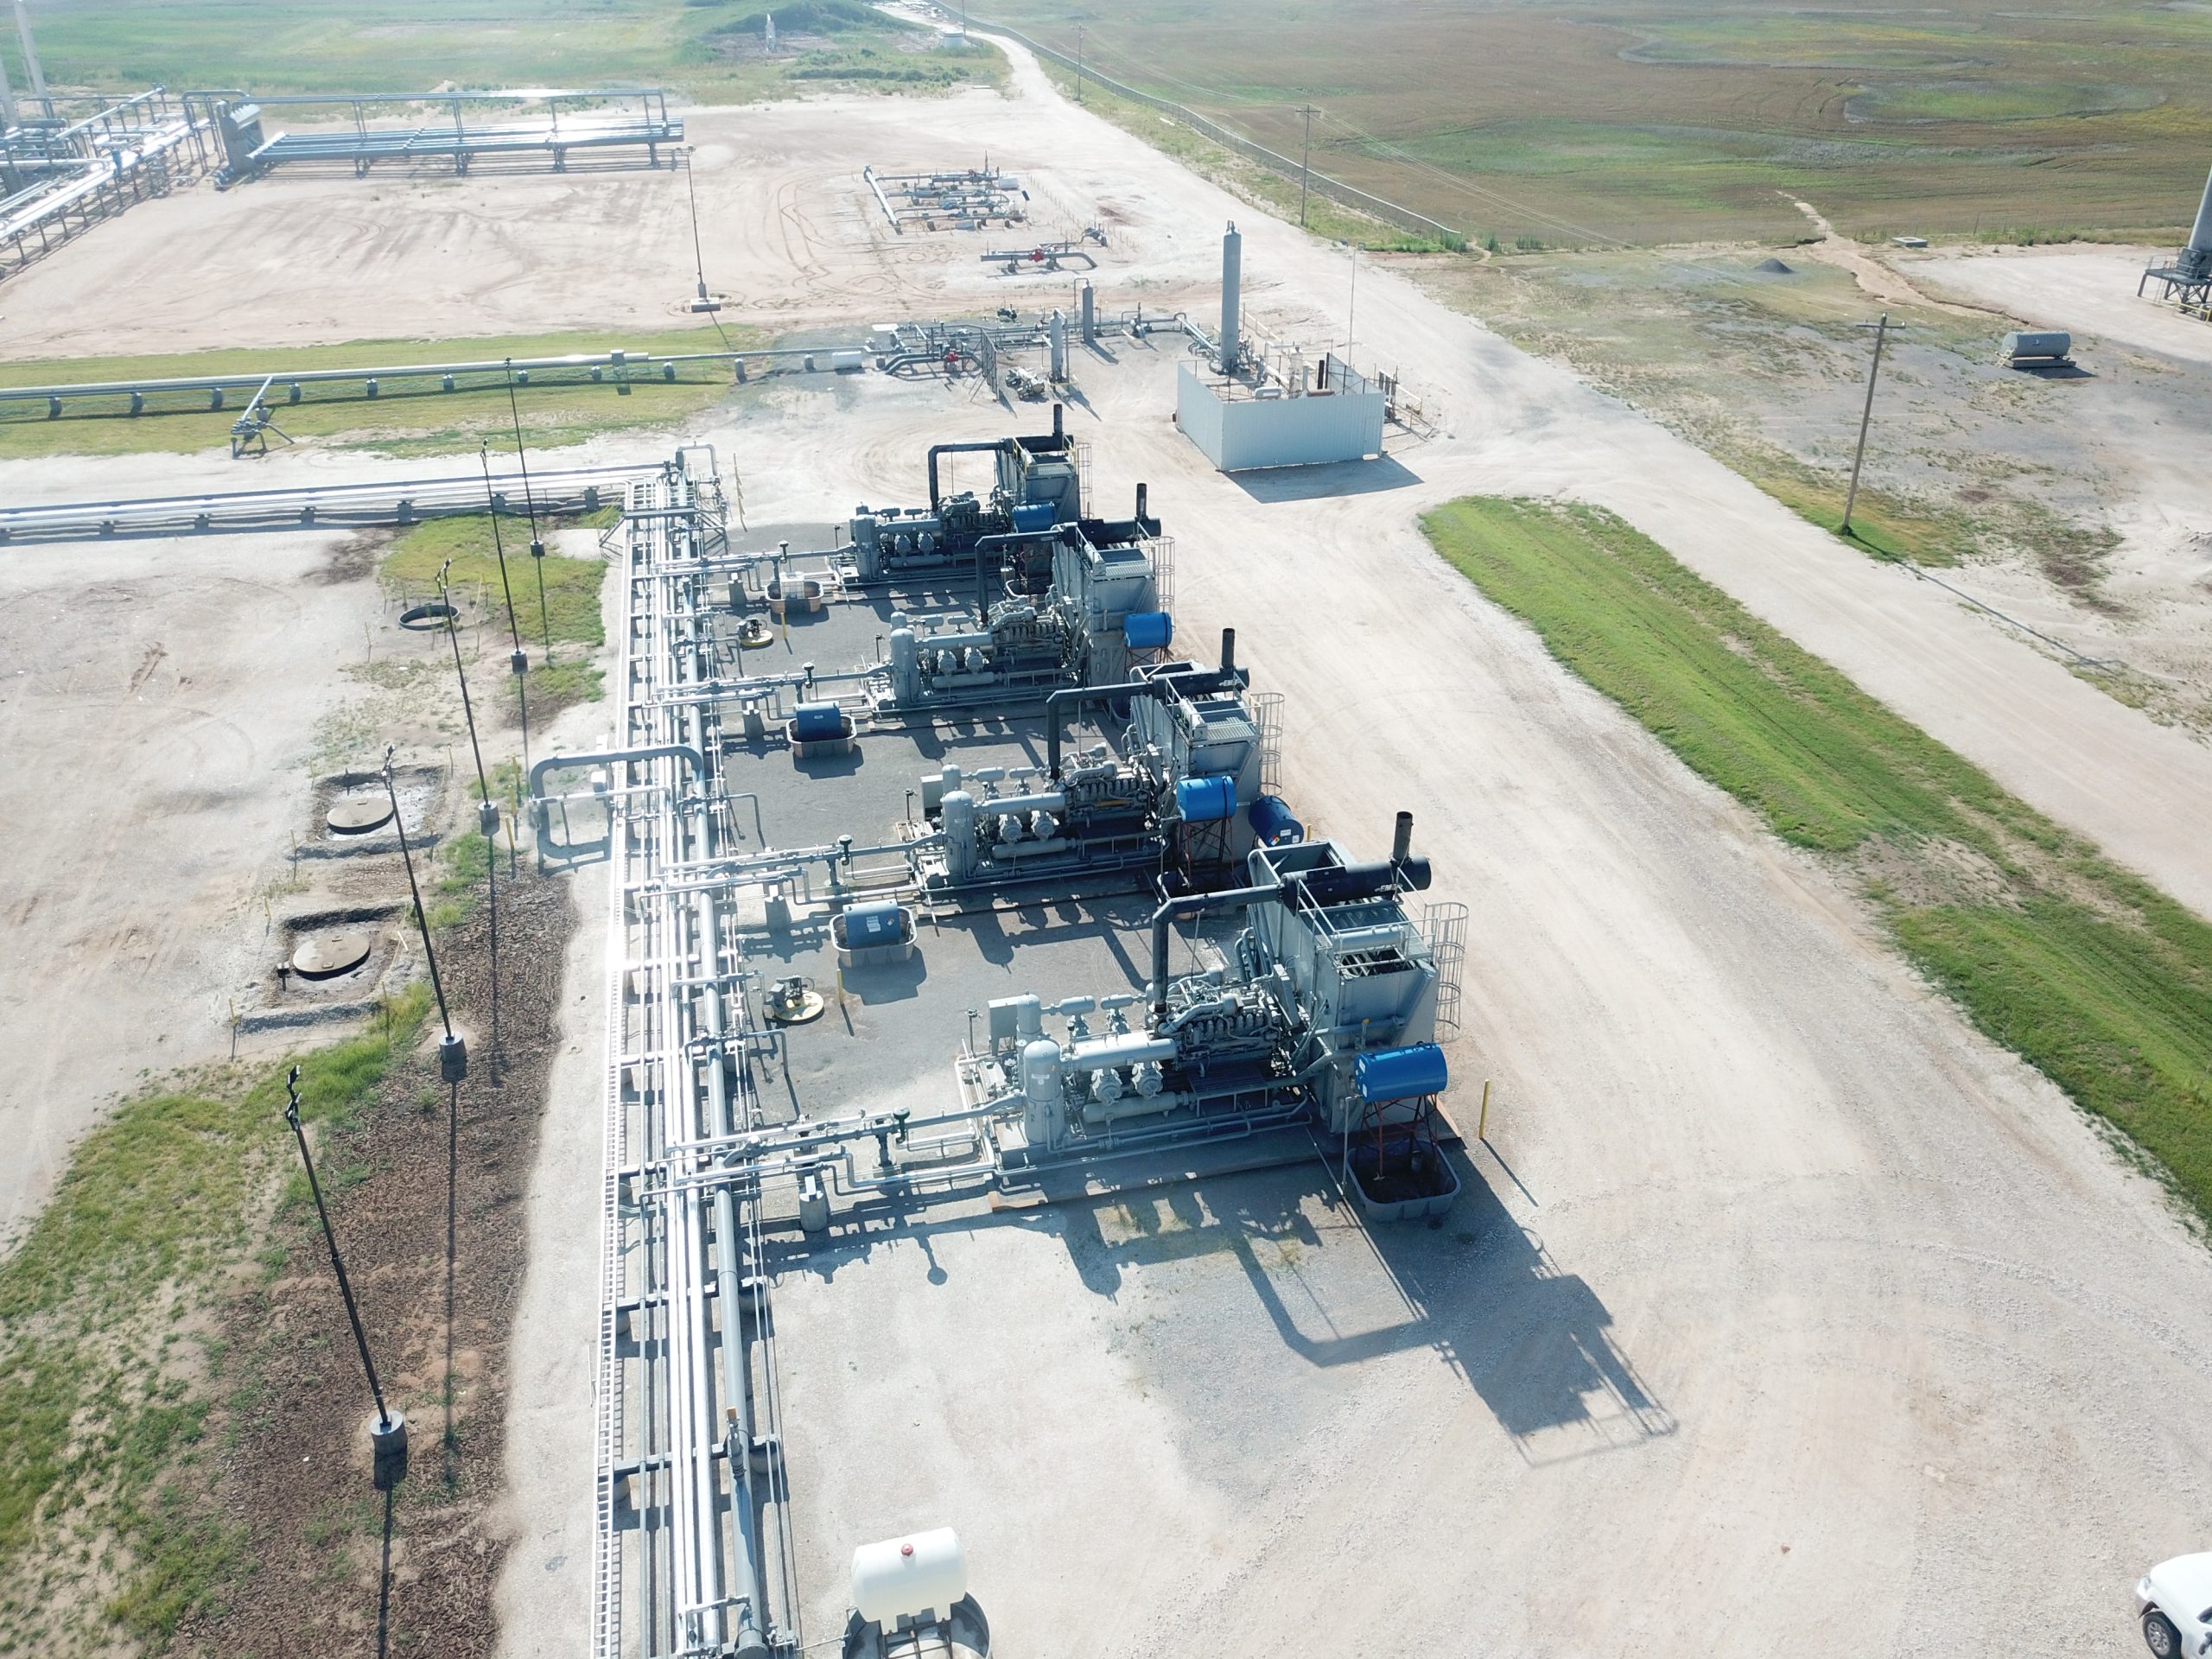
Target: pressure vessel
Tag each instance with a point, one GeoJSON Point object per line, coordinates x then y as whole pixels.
{"type": "Point", "coordinates": [1273, 823]}
{"type": "Point", "coordinates": [903, 1578]}
{"type": "Point", "coordinates": [1205, 800]}
{"type": "Point", "coordinates": [1147, 629]}
{"type": "Point", "coordinates": [1400, 1073]}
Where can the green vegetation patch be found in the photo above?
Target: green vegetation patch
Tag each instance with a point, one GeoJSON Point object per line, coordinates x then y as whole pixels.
{"type": "Point", "coordinates": [106, 1381]}
{"type": "Point", "coordinates": [406, 417]}
{"type": "Point", "coordinates": [1659, 122]}
{"type": "Point", "coordinates": [709, 49]}
{"type": "Point", "coordinates": [556, 599]}
{"type": "Point", "coordinates": [2093, 975]}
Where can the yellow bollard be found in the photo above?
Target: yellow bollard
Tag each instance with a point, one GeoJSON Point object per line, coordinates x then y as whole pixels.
{"type": "Point", "coordinates": [1482, 1129]}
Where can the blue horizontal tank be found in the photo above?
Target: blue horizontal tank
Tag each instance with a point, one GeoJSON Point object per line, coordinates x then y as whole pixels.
{"type": "Point", "coordinates": [1272, 823]}
{"type": "Point", "coordinates": [1147, 629]}
{"type": "Point", "coordinates": [1400, 1073]}
{"type": "Point", "coordinates": [878, 922]}
{"type": "Point", "coordinates": [816, 723]}
{"type": "Point", "coordinates": [1205, 800]}
{"type": "Point", "coordinates": [1033, 515]}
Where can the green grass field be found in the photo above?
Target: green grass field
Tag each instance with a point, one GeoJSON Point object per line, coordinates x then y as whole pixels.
{"type": "Point", "coordinates": [105, 1387]}
{"type": "Point", "coordinates": [1256, 184]}
{"type": "Point", "coordinates": [1659, 122]}
{"type": "Point", "coordinates": [709, 49]}
{"type": "Point", "coordinates": [413, 418]}
{"type": "Point", "coordinates": [564, 610]}
{"type": "Point", "coordinates": [2087, 972]}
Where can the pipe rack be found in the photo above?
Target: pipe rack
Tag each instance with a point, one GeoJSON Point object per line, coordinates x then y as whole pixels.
{"type": "Point", "coordinates": [398, 501]}
{"type": "Point", "coordinates": [56, 180]}
{"type": "Point", "coordinates": [623, 365]}
{"type": "Point", "coordinates": [648, 127]}
{"type": "Point", "coordinates": [691, 1549]}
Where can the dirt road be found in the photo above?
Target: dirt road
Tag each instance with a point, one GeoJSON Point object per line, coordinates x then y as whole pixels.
{"type": "Point", "coordinates": [2081, 288]}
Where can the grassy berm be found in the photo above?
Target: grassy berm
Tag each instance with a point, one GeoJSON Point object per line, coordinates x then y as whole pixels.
{"type": "Point", "coordinates": [110, 1361]}
{"type": "Point", "coordinates": [2089, 973]}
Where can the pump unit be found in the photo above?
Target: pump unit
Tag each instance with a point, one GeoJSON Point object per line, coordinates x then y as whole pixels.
{"type": "Point", "coordinates": [1180, 802]}
{"type": "Point", "coordinates": [1057, 612]}
{"type": "Point", "coordinates": [1323, 1007]}
{"type": "Point", "coordinates": [1037, 485]}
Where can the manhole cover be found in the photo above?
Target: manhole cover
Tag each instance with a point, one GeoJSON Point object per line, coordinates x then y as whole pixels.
{"type": "Point", "coordinates": [792, 1002]}
{"type": "Point", "coordinates": [426, 619]}
{"type": "Point", "coordinates": [326, 956]}
{"type": "Point", "coordinates": [356, 815]}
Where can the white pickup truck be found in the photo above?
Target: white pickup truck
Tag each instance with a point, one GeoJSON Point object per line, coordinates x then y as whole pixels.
{"type": "Point", "coordinates": [2174, 1602]}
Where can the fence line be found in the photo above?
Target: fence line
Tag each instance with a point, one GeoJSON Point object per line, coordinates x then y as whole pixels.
{"type": "Point", "coordinates": [1335, 189]}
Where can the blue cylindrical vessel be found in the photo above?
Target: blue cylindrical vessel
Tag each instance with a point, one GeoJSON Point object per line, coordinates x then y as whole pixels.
{"type": "Point", "coordinates": [1147, 629]}
{"type": "Point", "coordinates": [1205, 800]}
{"type": "Point", "coordinates": [816, 723]}
{"type": "Point", "coordinates": [1272, 823]}
{"type": "Point", "coordinates": [1400, 1073]}
{"type": "Point", "coordinates": [1032, 515]}
{"type": "Point", "coordinates": [878, 922]}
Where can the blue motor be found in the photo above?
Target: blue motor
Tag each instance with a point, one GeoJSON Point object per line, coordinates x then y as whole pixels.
{"type": "Point", "coordinates": [1400, 1073]}
{"type": "Point", "coordinates": [1272, 823]}
{"type": "Point", "coordinates": [1205, 800]}
{"type": "Point", "coordinates": [818, 722]}
{"type": "Point", "coordinates": [1033, 515]}
{"type": "Point", "coordinates": [1147, 629]}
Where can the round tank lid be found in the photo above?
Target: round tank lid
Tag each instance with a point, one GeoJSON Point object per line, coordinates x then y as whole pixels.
{"type": "Point", "coordinates": [356, 815]}
{"type": "Point", "coordinates": [326, 956]}
{"type": "Point", "coordinates": [428, 619]}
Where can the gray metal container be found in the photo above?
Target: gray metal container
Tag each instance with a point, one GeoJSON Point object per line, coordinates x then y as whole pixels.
{"type": "Point", "coordinates": [2038, 346]}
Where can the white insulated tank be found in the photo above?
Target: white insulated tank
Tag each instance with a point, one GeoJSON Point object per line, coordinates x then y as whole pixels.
{"type": "Point", "coordinates": [904, 1578]}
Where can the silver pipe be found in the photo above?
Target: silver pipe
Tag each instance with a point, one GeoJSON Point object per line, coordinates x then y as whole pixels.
{"type": "Point", "coordinates": [625, 361]}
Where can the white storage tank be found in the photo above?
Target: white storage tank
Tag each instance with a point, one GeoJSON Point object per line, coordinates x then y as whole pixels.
{"type": "Point", "coordinates": [905, 1578]}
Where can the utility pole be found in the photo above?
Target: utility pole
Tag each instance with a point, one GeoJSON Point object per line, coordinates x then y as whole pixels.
{"type": "Point", "coordinates": [529, 506]}
{"type": "Point", "coordinates": [1306, 163]}
{"type": "Point", "coordinates": [1078, 63]}
{"type": "Point", "coordinates": [698, 254]}
{"type": "Point", "coordinates": [387, 1429]}
{"type": "Point", "coordinates": [518, 662]}
{"type": "Point", "coordinates": [1865, 418]}
{"type": "Point", "coordinates": [487, 813]}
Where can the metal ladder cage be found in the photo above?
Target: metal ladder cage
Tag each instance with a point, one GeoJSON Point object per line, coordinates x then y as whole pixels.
{"type": "Point", "coordinates": [1080, 454]}
{"type": "Point", "coordinates": [1266, 708]}
{"type": "Point", "coordinates": [1161, 550]}
{"type": "Point", "coordinates": [1444, 925]}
